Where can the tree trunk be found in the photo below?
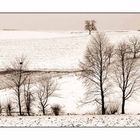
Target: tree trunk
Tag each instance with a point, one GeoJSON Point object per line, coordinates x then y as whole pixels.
{"type": "Point", "coordinates": [102, 94]}
{"type": "Point", "coordinates": [43, 109]}
{"type": "Point", "coordinates": [124, 81]}
{"type": "Point", "coordinates": [89, 32]}
{"type": "Point", "coordinates": [134, 55]}
{"type": "Point", "coordinates": [19, 85]}
{"type": "Point", "coordinates": [19, 103]}
{"type": "Point", "coordinates": [123, 104]}
{"type": "Point", "coordinates": [28, 112]}
{"type": "Point", "coordinates": [101, 82]}
{"type": "Point", "coordinates": [103, 104]}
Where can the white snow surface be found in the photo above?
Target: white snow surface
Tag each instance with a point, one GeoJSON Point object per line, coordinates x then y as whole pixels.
{"type": "Point", "coordinates": [72, 121]}
{"type": "Point", "coordinates": [50, 50]}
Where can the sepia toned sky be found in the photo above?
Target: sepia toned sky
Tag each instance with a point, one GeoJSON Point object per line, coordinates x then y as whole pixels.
{"type": "Point", "coordinates": [69, 21]}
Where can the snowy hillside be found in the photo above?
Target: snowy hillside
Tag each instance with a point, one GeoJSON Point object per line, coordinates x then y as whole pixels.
{"type": "Point", "coordinates": [50, 50]}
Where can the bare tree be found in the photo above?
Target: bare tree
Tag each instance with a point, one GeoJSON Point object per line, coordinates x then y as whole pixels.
{"type": "Point", "coordinates": [126, 73]}
{"type": "Point", "coordinates": [28, 96]}
{"type": "Point", "coordinates": [46, 88]}
{"type": "Point", "coordinates": [95, 69]}
{"type": "Point", "coordinates": [90, 25]}
{"type": "Point", "coordinates": [17, 75]}
{"type": "Point", "coordinates": [134, 44]}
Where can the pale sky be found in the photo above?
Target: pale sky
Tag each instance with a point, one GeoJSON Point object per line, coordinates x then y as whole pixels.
{"type": "Point", "coordinates": [69, 21]}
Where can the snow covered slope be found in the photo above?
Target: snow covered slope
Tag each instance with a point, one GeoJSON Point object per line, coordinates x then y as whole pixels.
{"type": "Point", "coordinates": [49, 50]}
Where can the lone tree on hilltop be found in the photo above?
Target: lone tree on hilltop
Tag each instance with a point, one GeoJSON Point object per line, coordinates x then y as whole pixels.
{"type": "Point", "coordinates": [90, 26]}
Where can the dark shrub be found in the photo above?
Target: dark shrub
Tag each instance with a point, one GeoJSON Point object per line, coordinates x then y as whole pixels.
{"type": "Point", "coordinates": [112, 108]}
{"type": "Point", "coordinates": [56, 109]}
{"type": "Point", "coordinates": [8, 109]}
{"type": "Point", "coordinates": [1, 108]}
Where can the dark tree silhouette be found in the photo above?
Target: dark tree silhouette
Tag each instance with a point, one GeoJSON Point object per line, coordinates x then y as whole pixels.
{"type": "Point", "coordinates": [95, 69]}
{"type": "Point", "coordinates": [16, 77]}
{"type": "Point", "coordinates": [126, 73]}
{"type": "Point", "coordinates": [28, 96]}
{"type": "Point", "coordinates": [46, 87]}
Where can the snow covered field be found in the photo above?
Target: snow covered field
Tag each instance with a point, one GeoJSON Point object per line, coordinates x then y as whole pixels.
{"type": "Point", "coordinates": [50, 50]}
{"type": "Point", "coordinates": [72, 121]}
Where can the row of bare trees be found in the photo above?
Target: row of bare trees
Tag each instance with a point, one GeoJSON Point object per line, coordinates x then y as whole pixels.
{"type": "Point", "coordinates": [105, 63]}
{"type": "Point", "coordinates": [19, 80]}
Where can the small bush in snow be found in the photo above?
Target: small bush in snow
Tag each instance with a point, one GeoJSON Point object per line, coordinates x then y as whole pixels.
{"type": "Point", "coordinates": [8, 109]}
{"type": "Point", "coordinates": [56, 109]}
{"type": "Point", "coordinates": [1, 108]}
{"type": "Point", "coordinates": [112, 108]}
